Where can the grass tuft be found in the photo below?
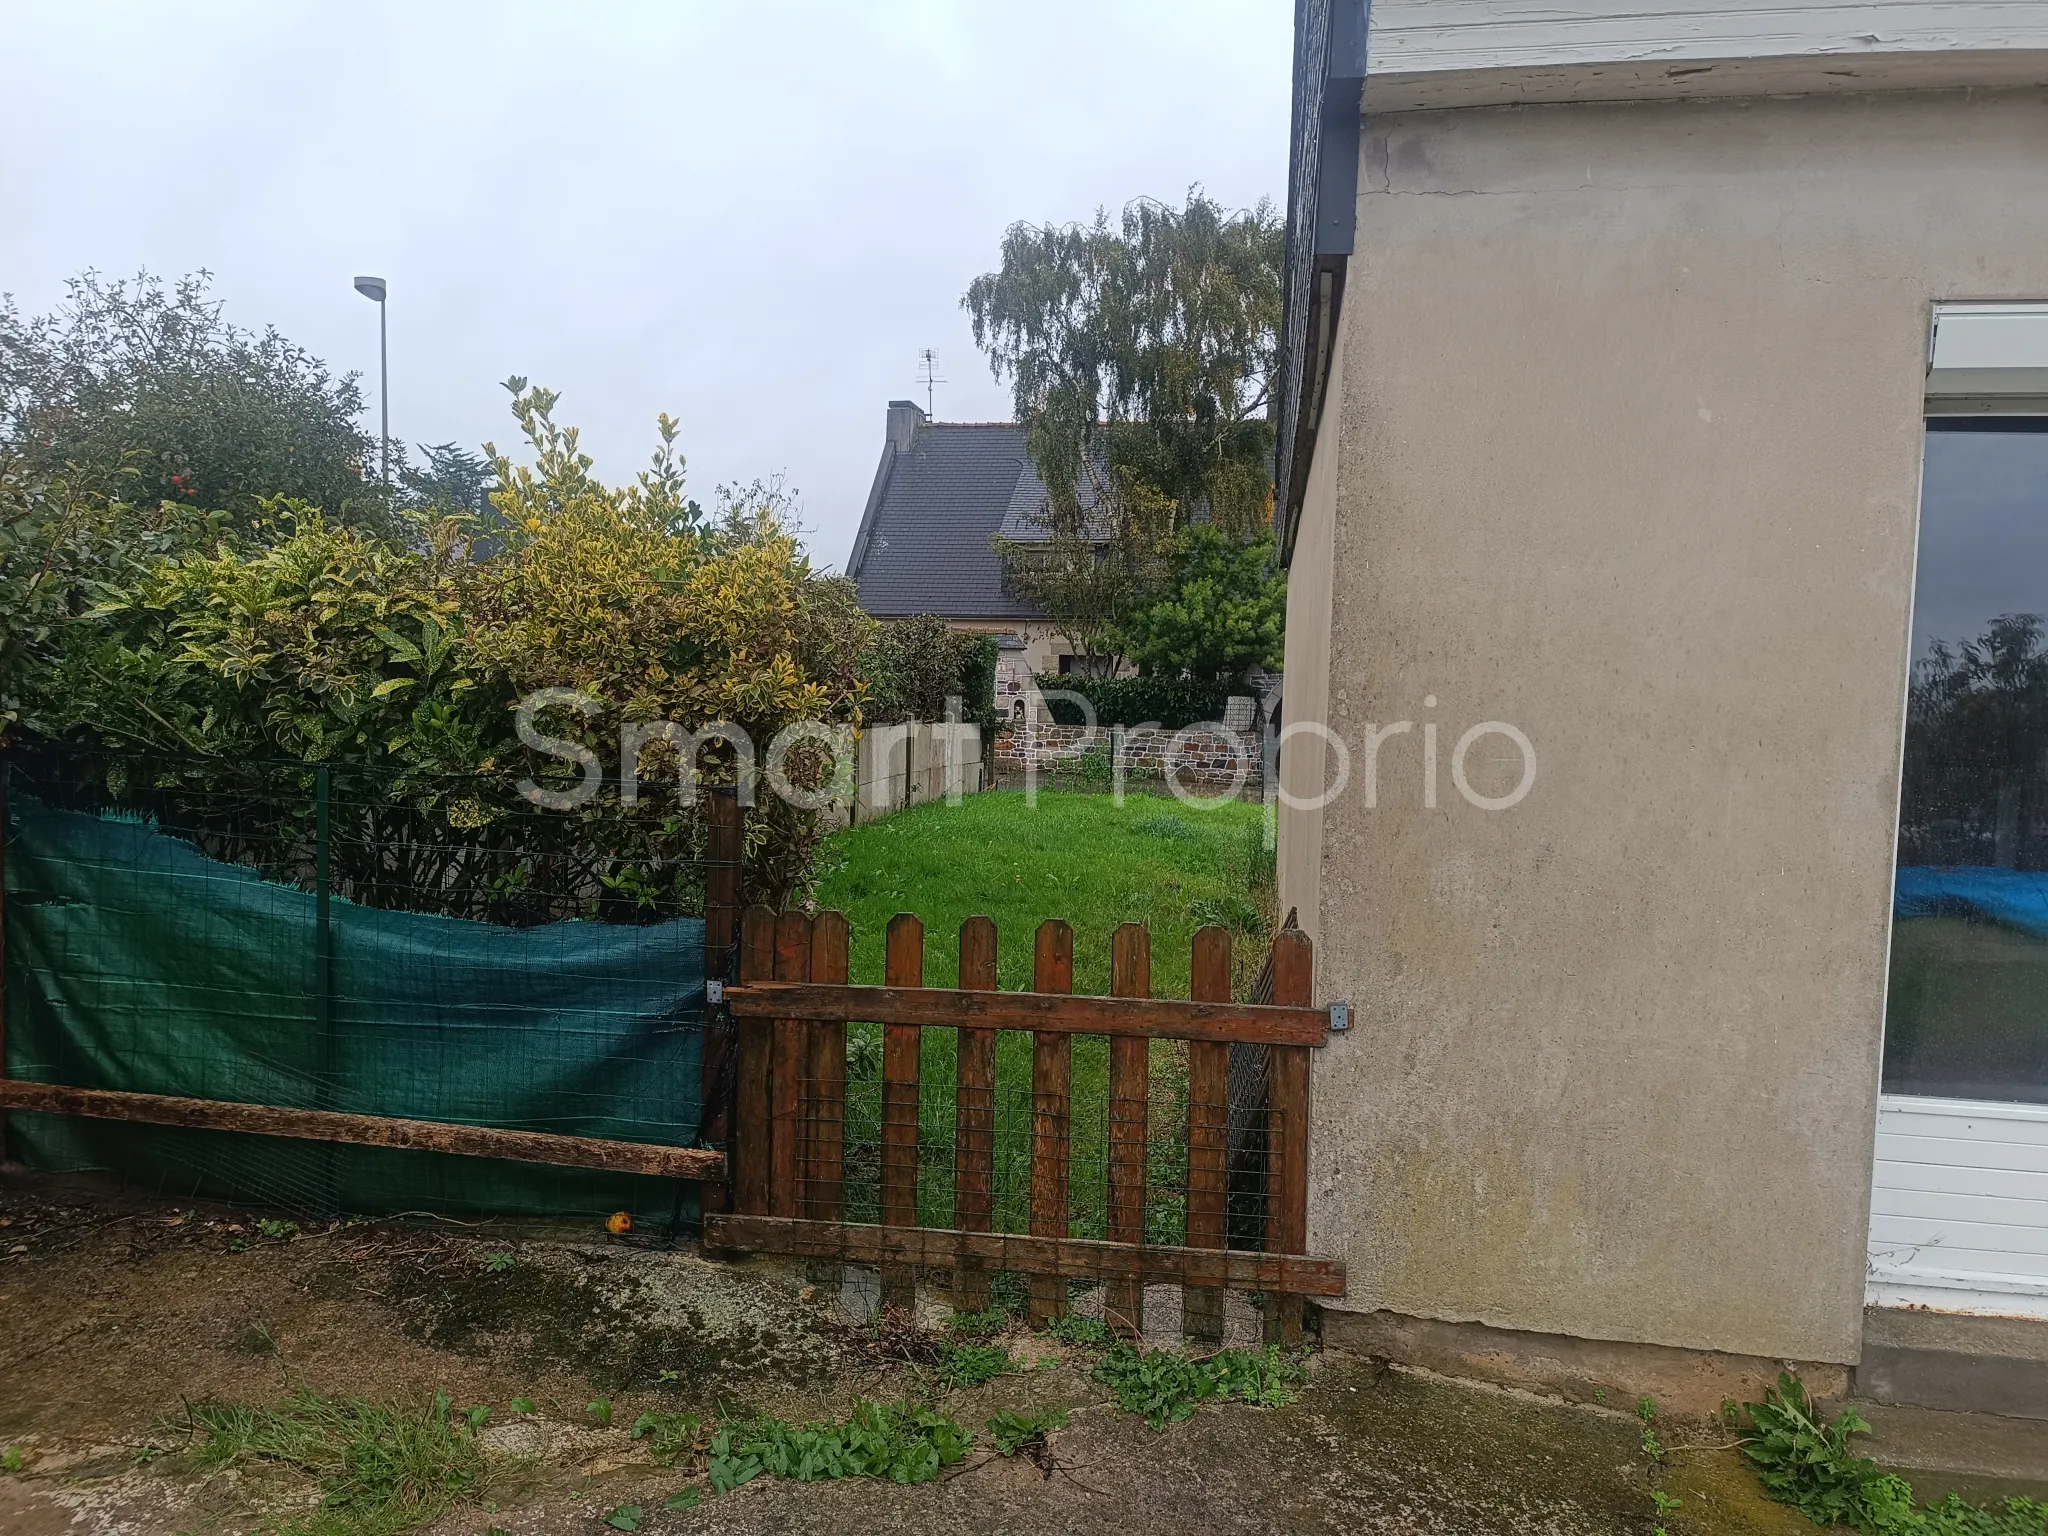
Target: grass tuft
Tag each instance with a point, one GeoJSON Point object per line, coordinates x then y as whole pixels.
{"type": "Point", "coordinates": [382, 1470]}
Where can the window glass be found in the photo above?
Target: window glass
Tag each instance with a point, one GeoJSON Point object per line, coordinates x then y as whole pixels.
{"type": "Point", "coordinates": [1968, 1011]}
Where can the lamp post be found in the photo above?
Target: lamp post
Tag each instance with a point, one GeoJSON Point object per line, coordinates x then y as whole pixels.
{"type": "Point", "coordinates": [373, 288]}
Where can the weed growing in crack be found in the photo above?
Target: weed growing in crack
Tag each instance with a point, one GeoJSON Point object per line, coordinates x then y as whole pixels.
{"type": "Point", "coordinates": [1804, 1461]}
{"type": "Point", "coordinates": [970, 1365]}
{"type": "Point", "coordinates": [978, 1325]}
{"type": "Point", "coordinates": [1015, 1434]}
{"type": "Point", "coordinates": [668, 1435]}
{"type": "Point", "coordinates": [1088, 1332]}
{"type": "Point", "coordinates": [901, 1442]}
{"type": "Point", "coordinates": [1164, 1387]}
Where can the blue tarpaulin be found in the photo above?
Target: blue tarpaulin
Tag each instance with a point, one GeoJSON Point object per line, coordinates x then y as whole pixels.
{"type": "Point", "coordinates": [2017, 898]}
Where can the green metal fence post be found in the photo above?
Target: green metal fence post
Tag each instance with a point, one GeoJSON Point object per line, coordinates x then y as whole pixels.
{"type": "Point", "coordinates": [325, 1096]}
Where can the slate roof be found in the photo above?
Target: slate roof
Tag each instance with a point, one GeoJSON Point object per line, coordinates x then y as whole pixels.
{"type": "Point", "coordinates": [923, 544]}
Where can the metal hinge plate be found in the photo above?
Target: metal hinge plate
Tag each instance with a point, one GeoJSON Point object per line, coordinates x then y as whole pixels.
{"type": "Point", "coordinates": [714, 991]}
{"type": "Point", "coordinates": [1340, 1018]}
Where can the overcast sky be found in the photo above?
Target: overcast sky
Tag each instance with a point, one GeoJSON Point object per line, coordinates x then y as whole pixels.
{"type": "Point", "coordinates": [750, 215]}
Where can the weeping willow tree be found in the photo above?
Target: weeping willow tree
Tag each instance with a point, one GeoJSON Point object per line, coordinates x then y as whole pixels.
{"type": "Point", "coordinates": [1140, 354]}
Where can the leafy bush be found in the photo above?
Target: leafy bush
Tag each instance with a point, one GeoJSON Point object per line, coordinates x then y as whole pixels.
{"type": "Point", "coordinates": [1806, 1462]}
{"type": "Point", "coordinates": [1171, 702]}
{"type": "Point", "coordinates": [218, 655]}
{"type": "Point", "coordinates": [914, 665]}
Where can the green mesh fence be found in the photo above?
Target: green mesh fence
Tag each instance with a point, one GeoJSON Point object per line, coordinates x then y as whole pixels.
{"type": "Point", "coordinates": [135, 961]}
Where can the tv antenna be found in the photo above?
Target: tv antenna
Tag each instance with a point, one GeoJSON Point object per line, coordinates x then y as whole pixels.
{"type": "Point", "coordinates": [928, 374]}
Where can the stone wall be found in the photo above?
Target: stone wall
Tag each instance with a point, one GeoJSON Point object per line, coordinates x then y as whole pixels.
{"type": "Point", "coordinates": [1210, 755]}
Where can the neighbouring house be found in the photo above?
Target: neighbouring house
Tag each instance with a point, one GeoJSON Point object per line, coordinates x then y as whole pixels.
{"type": "Point", "coordinates": [1632, 355]}
{"type": "Point", "coordinates": [942, 492]}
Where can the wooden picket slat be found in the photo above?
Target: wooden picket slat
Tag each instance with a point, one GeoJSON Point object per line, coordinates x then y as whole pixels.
{"type": "Point", "coordinates": [1052, 1070]}
{"type": "Point", "coordinates": [1208, 1135]}
{"type": "Point", "coordinates": [1287, 1133]}
{"type": "Point", "coordinates": [1130, 975]}
{"type": "Point", "coordinates": [750, 1131]}
{"type": "Point", "coordinates": [824, 1127]}
{"type": "Point", "coordinates": [974, 1140]}
{"type": "Point", "coordinates": [786, 1073]}
{"type": "Point", "coordinates": [903, 966]}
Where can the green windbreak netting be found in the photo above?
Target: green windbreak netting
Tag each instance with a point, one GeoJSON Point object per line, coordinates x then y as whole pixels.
{"type": "Point", "coordinates": [135, 962]}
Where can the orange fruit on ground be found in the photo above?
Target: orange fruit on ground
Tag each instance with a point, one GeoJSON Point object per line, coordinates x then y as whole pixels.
{"type": "Point", "coordinates": [618, 1221]}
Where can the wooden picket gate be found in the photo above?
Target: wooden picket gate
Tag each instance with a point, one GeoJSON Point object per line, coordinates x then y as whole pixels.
{"type": "Point", "coordinates": [788, 1149]}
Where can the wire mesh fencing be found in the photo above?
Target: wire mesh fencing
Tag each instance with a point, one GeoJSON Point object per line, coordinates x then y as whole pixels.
{"type": "Point", "coordinates": [1041, 1140]}
{"type": "Point", "coordinates": [427, 946]}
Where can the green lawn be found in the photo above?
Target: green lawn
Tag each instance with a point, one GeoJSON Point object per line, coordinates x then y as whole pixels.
{"type": "Point", "coordinates": [1072, 856]}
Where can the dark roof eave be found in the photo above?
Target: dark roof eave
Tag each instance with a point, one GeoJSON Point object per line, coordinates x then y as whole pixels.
{"type": "Point", "coordinates": [1322, 194]}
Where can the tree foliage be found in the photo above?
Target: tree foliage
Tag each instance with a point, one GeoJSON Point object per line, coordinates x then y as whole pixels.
{"type": "Point", "coordinates": [1140, 355]}
{"type": "Point", "coordinates": [453, 479]}
{"type": "Point", "coordinates": [1093, 562]}
{"type": "Point", "coordinates": [915, 666]}
{"type": "Point", "coordinates": [1222, 608]}
{"type": "Point", "coordinates": [1976, 735]}
{"type": "Point", "coordinates": [1146, 345]}
{"type": "Point", "coordinates": [144, 392]}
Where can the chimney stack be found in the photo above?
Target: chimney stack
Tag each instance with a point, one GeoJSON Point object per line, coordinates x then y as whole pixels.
{"type": "Point", "coordinates": [905, 417]}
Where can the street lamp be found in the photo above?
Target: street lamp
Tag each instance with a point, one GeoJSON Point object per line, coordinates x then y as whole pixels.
{"type": "Point", "coordinates": [372, 288]}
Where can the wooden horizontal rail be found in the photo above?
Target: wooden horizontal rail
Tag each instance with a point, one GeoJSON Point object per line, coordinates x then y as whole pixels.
{"type": "Point", "coordinates": [366, 1130]}
{"type": "Point", "coordinates": [1074, 1257]}
{"type": "Point", "coordinates": [1161, 1018]}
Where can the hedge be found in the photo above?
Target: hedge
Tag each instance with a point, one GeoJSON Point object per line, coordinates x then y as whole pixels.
{"type": "Point", "coordinates": [1169, 701]}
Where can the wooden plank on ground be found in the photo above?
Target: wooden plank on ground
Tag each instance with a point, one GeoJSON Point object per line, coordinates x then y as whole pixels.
{"type": "Point", "coordinates": [974, 1139]}
{"type": "Point", "coordinates": [1287, 1134]}
{"type": "Point", "coordinates": [1052, 1061]}
{"type": "Point", "coordinates": [1056, 1259]}
{"type": "Point", "coordinates": [1208, 1135]}
{"type": "Point", "coordinates": [788, 1057]}
{"type": "Point", "coordinates": [1130, 975]}
{"type": "Point", "coordinates": [1160, 1018]}
{"type": "Point", "coordinates": [903, 968]}
{"type": "Point", "coordinates": [750, 1129]}
{"type": "Point", "coordinates": [364, 1130]}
